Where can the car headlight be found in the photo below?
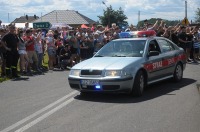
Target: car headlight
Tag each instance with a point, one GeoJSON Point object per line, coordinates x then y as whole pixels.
{"type": "Point", "coordinates": [117, 73]}
{"type": "Point", "coordinates": [113, 73]}
{"type": "Point", "coordinates": [74, 72]}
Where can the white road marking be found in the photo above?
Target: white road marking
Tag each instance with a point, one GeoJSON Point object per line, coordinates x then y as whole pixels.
{"type": "Point", "coordinates": [37, 113]}
{"type": "Point", "coordinates": [22, 129]}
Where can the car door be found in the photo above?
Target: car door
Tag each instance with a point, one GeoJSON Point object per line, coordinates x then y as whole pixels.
{"type": "Point", "coordinates": [168, 54]}
{"type": "Point", "coordinates": [153, 64]}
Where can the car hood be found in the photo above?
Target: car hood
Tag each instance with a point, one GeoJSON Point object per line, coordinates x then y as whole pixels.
{"type": "Point", "coordinates": [106, 63]}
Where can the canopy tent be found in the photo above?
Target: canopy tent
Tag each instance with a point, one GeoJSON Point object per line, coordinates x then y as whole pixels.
{"type": "Point", "coordinates": [22, 25]}
{"type": "Point", "coordinates": [19, 25]}
{"type": "Point", "coordinates": [84, 26]}
{"type": "Point", "coordinates": [60, 25]}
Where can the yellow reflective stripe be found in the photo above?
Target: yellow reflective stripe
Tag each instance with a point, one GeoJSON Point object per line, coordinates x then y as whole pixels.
{"type": "Point", "coordinates": [13, 67]}
{"type": "Point", "coordinates": [7, 68]}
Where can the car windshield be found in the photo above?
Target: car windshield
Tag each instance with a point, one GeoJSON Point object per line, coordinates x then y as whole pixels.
{"type": "Point", "coordinates": [122, 48]}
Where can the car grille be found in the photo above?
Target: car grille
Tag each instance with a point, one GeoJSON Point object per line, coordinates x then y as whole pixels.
{"type": "Point", "coordinates": [91, 72]}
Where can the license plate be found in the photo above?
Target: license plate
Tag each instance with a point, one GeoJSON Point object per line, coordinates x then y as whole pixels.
{"type": "Point", "coordinates": [89, 82]}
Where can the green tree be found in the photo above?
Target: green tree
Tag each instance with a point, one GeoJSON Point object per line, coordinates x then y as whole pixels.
{"type": "Point", "coordinates": [197, 17]}
{"type": "Point", "coordinates": [111, 16]}
{"type": "Point", "coordinates": [153, 20]}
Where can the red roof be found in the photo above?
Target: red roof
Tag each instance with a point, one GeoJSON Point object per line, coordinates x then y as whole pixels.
{"type": "Point", "coordinates": [84, 26]}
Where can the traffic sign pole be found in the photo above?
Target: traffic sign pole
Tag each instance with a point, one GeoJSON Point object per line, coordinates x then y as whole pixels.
{"type": "Point", "coordinates": [185, 21]}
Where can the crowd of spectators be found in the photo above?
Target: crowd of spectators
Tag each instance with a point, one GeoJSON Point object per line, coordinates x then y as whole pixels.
{"type": "Point", "coordinates": [65, 47]}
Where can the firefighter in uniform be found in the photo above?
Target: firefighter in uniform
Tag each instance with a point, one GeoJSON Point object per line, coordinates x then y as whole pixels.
{"type": "Point", "coordinates": [10, 42]}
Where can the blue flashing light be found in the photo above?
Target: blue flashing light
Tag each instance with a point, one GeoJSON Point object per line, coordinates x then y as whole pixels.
{"type": "Point", "coordinates": [125, 35]}
{"type": "Point", "coordinates": [98, 87]}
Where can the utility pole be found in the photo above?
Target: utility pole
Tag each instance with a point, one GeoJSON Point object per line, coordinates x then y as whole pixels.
{"type": "Point", "coordinates": [109, 25]}
{"type": "Point", "coordinates": [108, 9]}
{"type": "Point", "coordinates": [186, 9]}
{"type": "Point", "coordinates": [41, 17]}
{"type": "Point", "coordinates": [138, 19]}
{"type": "Point", "coordinates": [8, 18]}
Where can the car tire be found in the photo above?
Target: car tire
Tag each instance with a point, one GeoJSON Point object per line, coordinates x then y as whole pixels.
{"type": "Point", "coordinates": [178, 73]}
{"type": "Point", "coordinates": [139, 84]}
{"type": "Point", "coordinates": [84, 93]}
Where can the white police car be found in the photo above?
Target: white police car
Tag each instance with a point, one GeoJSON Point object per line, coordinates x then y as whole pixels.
{"type": "Point", "coordinates": [128, 65]}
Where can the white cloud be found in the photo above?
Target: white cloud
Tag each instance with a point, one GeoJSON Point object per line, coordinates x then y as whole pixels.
{"type": "Point", "coordinates": [166, 9]}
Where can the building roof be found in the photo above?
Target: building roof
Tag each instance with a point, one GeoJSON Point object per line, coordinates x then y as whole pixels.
{"type": "Point", "coordinates": [69, 17]}
{"type": "Point", "coordinates": [23, 19]}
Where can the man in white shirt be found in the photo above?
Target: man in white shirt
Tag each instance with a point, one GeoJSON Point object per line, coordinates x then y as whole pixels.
{"type": "Point", "coordinates": [100, 31]}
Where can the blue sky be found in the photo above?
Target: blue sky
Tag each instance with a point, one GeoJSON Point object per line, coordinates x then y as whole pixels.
{"type": "Point", "coordinates": [165, 9]}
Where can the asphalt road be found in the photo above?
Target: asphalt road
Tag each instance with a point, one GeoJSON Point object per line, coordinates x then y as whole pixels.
{"type": "Point", "coordinates": [45, 103]}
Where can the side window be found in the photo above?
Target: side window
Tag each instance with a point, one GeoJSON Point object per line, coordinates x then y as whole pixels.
{"type": "Point", "coordinates": [153, 46]}
{"type": "Point", "coordinates": [165, 45]}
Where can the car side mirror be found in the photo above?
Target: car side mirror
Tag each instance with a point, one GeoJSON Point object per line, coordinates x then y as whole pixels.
{"type": "Point", "coordinates": [153, 53]}
{"type": "Point", "coordinates": [181, 48]}
{"type": "Point", "coordinates": [94, 53]}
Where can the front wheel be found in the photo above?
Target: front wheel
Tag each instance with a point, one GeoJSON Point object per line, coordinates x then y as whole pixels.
{"type": "Point", "coordinates": [139, 84]}
{"type": "Point", "coordinates": [83, 93]}
{"type": "Point", "coordinates": [178, 73]}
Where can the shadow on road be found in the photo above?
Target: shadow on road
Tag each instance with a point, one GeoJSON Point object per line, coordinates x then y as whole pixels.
{"type": "Point", "coordinates": [20, 79]}
{"type": "Point", "coordinates": [60, 70]}
{"type": "Point", "coordinates": [151, 92]}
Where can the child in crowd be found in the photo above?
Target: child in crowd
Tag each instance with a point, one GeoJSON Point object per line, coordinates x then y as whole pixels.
{"type": "Point", "coordinates": [23, 57]}
{"type": "Point", "coordinates": [39, 49]}
{"type": "Point", "coordinates": [51, 49]}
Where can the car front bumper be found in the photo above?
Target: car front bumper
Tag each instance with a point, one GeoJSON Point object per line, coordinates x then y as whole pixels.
{"type": "Point", "coordinates": [120, 85]}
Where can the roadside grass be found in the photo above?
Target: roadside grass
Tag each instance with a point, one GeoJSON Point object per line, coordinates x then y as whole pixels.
{"type": "Point", "coordinates": [3, 79]}
{"type": "Point", "coordinates": [44, 63]}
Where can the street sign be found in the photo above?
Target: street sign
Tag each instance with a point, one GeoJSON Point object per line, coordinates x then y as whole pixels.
{"type": "Point", "coordinates": [185, 21]}
{"type": "Point", "coordinates": [41, 25]}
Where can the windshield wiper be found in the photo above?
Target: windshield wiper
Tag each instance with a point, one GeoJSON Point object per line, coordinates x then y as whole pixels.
{"type": "Point", "coordinates": [98, 56]}
{"type": "Point", "coordinates": [119, 56]}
